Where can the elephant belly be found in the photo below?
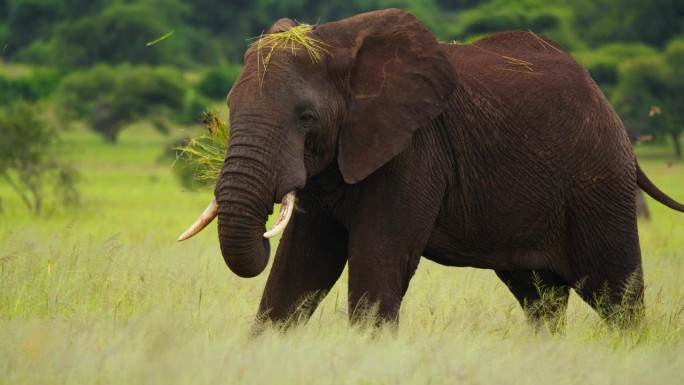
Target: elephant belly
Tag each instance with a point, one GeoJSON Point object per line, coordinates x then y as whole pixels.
{"type": "Point", "coordinates": [497, 260]}
{"type": "Point", "coordinates": [524, 244]}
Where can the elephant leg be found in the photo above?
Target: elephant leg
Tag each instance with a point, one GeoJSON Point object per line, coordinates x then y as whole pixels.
{"type": "Point", "coordinates": [309, 260]}
{"type": "Point", "coordinates": [617, 298]}
{"type": "Point", "coordinates": [542, 294]}
{"type": "Point", "coordinates": [389, 232]}
{"type": "Point", "coordinates": [605, 257]}
{"type": "Point", "coordinates": [378, 281]}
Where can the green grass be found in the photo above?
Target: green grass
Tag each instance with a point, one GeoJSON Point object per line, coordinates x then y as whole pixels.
{"type": "Point", "coordinates": [104, 294]}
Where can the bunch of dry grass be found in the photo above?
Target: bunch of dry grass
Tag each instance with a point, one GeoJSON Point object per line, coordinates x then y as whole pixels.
{"type": "Point", "coordinates": [294, 39]}
{"type": "Point", "coordinates": [205, 153]}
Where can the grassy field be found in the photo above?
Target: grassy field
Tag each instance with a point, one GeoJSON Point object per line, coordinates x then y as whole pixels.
{"type": "Point", "coordinates": [103, 294]}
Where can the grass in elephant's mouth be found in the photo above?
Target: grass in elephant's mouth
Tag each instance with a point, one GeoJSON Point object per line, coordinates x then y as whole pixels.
{"type": "Point", "coordinates": [206, 152]}
{"type": "Point", "coordinates": [104, 295]}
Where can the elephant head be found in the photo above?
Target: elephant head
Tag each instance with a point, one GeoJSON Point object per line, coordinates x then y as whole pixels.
{"type": "Point", "coordinates": [347, 94]}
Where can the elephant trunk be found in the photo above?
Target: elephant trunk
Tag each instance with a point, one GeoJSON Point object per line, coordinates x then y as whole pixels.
{"type": "Point", "coordinates": [241, 223]}
{"type": "Point", "coordinates": [245, 200]}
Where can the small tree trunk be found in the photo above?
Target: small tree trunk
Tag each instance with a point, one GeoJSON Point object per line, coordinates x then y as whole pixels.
{"type": "Point", "coordinates": [18, 190]}
{"type": "Point", "coordinates": [677, 145]}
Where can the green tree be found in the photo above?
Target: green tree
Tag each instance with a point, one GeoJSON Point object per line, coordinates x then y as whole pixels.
{"type": "Point", "coordinates": [110, 98]}
{"type": "Point", "coordinates": [217, 81]}
{"type": "Point", "coordinates": [550, 19]}
{"type": "Point", "coordinates": [29, 161]}
{"type": "Point", "coordinates": [116, 35]}
{"type": "Point", "coordinates": [652, 22]}
{"type": "Point", "coordinates": [650, 93]}
{"type": "Point", "coordinates": [603, 62]}
{"type": "Point", "coordinates": [29, 20]}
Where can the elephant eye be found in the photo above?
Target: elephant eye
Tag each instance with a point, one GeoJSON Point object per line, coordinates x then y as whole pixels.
{"type": "Point", "coordinates": [307, 118]}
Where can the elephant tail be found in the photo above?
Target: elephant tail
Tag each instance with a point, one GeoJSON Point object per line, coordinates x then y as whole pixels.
{"type": "Point", "coordinates": [654, 192]}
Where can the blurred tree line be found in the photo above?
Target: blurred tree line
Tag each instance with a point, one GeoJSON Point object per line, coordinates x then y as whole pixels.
{"type": "Point", "coordinates": [92, 61]}
{"type": "Point", "coordinates": [69, 36]}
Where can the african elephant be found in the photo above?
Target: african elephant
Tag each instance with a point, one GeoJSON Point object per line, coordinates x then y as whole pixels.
{"type": "Point", "coordinates": [501, 154]}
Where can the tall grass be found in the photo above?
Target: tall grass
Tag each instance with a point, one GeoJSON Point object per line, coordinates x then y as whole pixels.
{"type": "Point", "coordinates": [105, 295]}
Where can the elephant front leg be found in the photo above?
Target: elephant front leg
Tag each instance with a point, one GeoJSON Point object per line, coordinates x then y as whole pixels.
{"type": "Point", "coordinates": [387, 238]}
{"type": "Point", "coordinates": [378, 282]}
{"type": "Point", "coordinates": [310, 259]}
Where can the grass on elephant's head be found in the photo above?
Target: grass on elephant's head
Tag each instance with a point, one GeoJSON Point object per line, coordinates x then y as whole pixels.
{"type": "Point", "coordinates": [105, 294]}
{"type": "Point", "coordinates": [293, 40]}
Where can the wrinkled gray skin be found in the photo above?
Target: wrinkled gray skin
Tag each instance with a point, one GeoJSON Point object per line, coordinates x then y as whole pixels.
{"type": "Point", "coordinates": [502, 154]}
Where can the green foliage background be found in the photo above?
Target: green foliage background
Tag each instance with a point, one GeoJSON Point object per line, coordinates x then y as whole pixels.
{"type": "Point", "coordinates": [62, 37]}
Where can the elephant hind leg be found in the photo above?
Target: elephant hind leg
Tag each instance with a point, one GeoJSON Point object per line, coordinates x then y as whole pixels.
{"type": "Point", "coordinates": [542, 294]}
{"type": "Point", "coordinates": [604, 255]}
{"type": "Point", "coordinates": [619, 301]}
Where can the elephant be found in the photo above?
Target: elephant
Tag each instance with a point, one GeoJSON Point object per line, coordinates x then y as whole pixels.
{"type": "Point", "coordinates": [499, 154]}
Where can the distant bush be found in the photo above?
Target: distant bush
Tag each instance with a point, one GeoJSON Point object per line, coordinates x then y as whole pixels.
{"type": "Point", "coordinates": [29, 161]}
{"type": "Point", "coordinates": [118, 34]}
{"type": "Point", "coordinates": [603, 62]}
{"type": "Point", "coordinates": [40, 84]}
{"type": "Point", "coordinates": [555, 21]}
{"type": "Point", "coordinates": [650, 93]}
{"type": "Point", "coordinates": [544, 21]}
{"type": "Point", "coordinates": [109, 98]}
{"type": "Point", "coordinates": [193, 107]}
{"type": "Point", "coordinates": [494, 23]}
{"type": "Point", "coordinates": [216, 82]}
{"type": "Point", "coordinates": [29, 20]}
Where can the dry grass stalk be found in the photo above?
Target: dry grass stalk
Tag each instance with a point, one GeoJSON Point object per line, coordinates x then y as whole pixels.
{"type": "Point", "coordinates": [543, 42]}
{"type": "Point", "coordinates": [510, 60]}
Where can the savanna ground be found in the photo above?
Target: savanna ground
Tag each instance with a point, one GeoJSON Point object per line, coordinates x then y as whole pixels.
{"type": "Point", "coordinates": [103, 294]}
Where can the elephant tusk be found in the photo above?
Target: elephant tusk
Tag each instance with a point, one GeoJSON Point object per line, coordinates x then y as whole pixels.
{"type": "Point", "coordinates": [286, 208]}
{"type": "Point", "coordinates": [207, 216]}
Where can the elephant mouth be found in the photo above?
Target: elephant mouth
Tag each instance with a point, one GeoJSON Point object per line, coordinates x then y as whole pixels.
{"type": "Point", "coordinates": [287, 206]}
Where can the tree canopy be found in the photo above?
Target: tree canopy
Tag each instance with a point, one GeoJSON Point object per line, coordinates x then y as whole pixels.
{"type": "Point", "coordinates": [618, 41]}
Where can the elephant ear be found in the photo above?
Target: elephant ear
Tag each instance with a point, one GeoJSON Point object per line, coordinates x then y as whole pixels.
{"type": "Point", "coordinates": [400, 79]}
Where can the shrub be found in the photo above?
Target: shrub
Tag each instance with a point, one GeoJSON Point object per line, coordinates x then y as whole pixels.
{"type": "Point", "coordinates": [40, 84]}
{"type": "Point", "coordinates": [603, 62]}
{"type": "Point", "coordinates": [650, 93]}
{"type": "Point", "coordinates": [216, 82]}
{"type": "Point", "coordinates": [109, 98]}
{"type": "Point", "coordinates": [28, 159]}
{"type": "Point", "coordinates": [116, 35]}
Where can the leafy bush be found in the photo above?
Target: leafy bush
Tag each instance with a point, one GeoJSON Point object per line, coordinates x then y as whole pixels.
{"type": "Point", "coordinates": [216, 82]}
{"type": "Point", "coordinates": [40, 84]}
{"type": "Point", "coordinates": [80, 91]}
{"type": "Point", "coordinates": [650, 93]}
{"type": "Point", "coordinates": [118, 34]}
{"type": "Point", "coordinates": [494, 23]}
{"type": "Point", "coordinates": [603, 62]}
{"type": "Point", "coordinates": [537, 16]}
{"type": "Point", "coordinates": [194, 106]}
{"type": "Point", "coordinates": [109, 98]}
{"type": "Point", "coordinates": [29, 20]}
{"type": "Point", "coordinates": [28, 159]}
